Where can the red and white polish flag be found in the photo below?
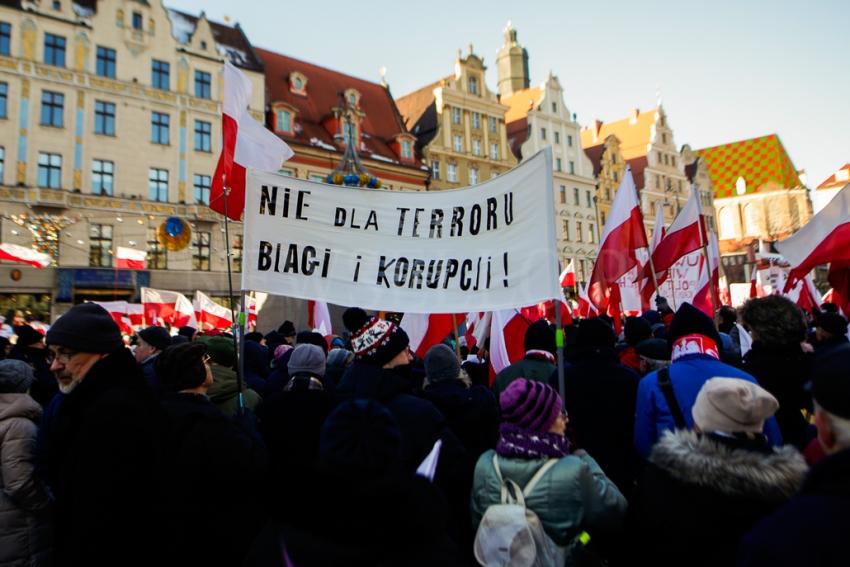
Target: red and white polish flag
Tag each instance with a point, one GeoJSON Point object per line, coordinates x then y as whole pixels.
{"type": "Point", "coordinates": [585, 307]}
{"type": "Point", "coordinates": [130, 258]}
{"type": "Point", "coordinates": [709, 276]}
{"type": "Point", "coordinates": [647, 286]}
{"type": "Point", "coordinates": [568, 276]}
{"type": "Point", "coordinates": [245, 143]}
{"type": "Point", "coordinates": [426, 330]}
{"type": "Point", "coordinates": [319, 318]}
{"type": "Point", "coordinates": [210, 315]}
{"type": "Point", "coordinates": [24, 255]}
{"type": "Point", "coordinates": [135, 315]}
{"type": "Point", "coordinates": [163, 307]}
{"type": "Point", "coordinates": [118, 311]}
{"type": "Point", "coordinates": [685, 235]}
{"type": "Point", "coordinates": [507, 339]}
{"type": "Point", "coordinates": [624, 233]}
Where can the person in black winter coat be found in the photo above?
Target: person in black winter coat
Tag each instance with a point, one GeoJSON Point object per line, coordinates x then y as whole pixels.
{"type": "Point", "coordinates": [214, 477]}
{"type": "Point", "coordinates": [600, 396]}
{"type": "Point", "coordinates": [830, 334]}
{"type": "Point", "coordinates": [257, 367]}
{"type": "Point", "coordinates": [31, 349]}
{"type": "Point", "coordinates": [99, 448]}
{"type": "Point", "coordinates": [363, 508]}
{"type": "Point", "coordinates": [779, 363]}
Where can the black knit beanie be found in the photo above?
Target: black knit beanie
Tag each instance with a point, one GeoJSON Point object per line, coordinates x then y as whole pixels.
{"type": "Point", "coordinates": [157, 337]}
{"type": "Point", "coordinates": [689, 320]}
{"type": "Point", "coordinates": [27, 335]}
{"type": "Point", "coordinates": [87, 327]}
{"type": "Point", "coordinates": [595, 333]}
{"type": "Point", "coordinates": [360, 438]}
{"type": "Point", "coordinates": [540, 336]}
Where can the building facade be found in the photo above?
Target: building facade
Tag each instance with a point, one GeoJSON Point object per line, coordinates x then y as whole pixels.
{"type": "Point", "coordinates": [308, 106]}
{"type": "Point", "coordinates": [459, 126]}
{"type": "Point", "coordinates": [110, 125]}
{"type": "Point", "coordinates": [758, 197]}
{"type": "Point", "coordinates": [830, 187]}
{"type": "Point", "coordinates": [538, 118]}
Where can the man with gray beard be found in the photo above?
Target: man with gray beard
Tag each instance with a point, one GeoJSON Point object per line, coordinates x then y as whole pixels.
{"type": "Point", "coordinates": [98, 444]}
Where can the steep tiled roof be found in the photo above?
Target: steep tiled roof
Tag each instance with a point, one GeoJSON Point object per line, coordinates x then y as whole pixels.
{"type": "Point", "coordinates": [521, 102]}
{"type": "Point", "coordinates": [762, 162]}
{"type": "Point", "coordinates": [232, 41]}
{"type": "Point", "coordinates": [413, 105]}
{"type": "Point", "coordinates": [381, 121]}
{"type": "Point", "coordinates": [838, 179]}
{"type": "Point", "coordinates": [633, 132]}
{"type": "Point", "coordinates": [594, 154]}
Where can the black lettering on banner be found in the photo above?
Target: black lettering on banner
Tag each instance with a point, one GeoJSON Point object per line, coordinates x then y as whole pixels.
{"type": "Point", "coordinates": [290, 265]}
{"type": "Point", "coordinates": [402, 265]}
{"type": "Point", "coordinates": [475, 219]}
{"type": "Point", "coordinates": [277, 257]}
{"type": "Point", "coordinates": [417, 268]}
{"type": "Point", "coordinates": [402, 213]}
{"type": "Point", "coordinates": [489, 258]}
{"type": "Point", "coordinates": [308, 261]}
{"type": "Point", "coordinates": [301, 205]}
{"type": "Point", "coordinates": [353, 211]}
{"type": "Point", "coordinates": [457, 221]}
{"type": "Point", "coordinates": [357, 269]}
{"type": "Point", "coordinates": [339, 217]}
{"type": "Point", "coordinates": [286, 202]}
{"type": "Point", "coordinates": [267, 200]}
{"type": "Point", "coordinates": [383, 266]}
{"type": "Point", "coordinates": [371, 220]}
{"type": "Point", "coordinates": [509, 208]}
{"type": "Point", "coordinates": [505, 261]}
{"type": "Point", "coordinates": [435, 270]}
{"type": "Point", "coordinates": [452, 266]}
{"type": "Point", "coordinates": [477, 275]}
{"type": "Point", "coordinates": [491, 214]}
{"type": "Point", "coordinates": [465, 279]}
{"type": "Point", "coordinates": [264, 258]}
{"type": "Point", "coordinates": [327, 263]}
{"type": "Point", "coordinates": [416, 212]}
{"type": "Point", "coordinates": [436, 223]}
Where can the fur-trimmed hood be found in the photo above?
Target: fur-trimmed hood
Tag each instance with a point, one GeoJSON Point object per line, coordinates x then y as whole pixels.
{"type": "Point", "coordinates": [689, 457]}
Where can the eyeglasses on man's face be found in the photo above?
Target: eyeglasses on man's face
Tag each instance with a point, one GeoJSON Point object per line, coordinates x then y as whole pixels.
{"type": "Point", "coordinates": [63, 356]}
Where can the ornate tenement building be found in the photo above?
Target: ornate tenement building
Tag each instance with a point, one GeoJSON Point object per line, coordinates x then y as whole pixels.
{"type": "Point", "coordinates": [537, 118]}
{"type": "Point", "coordinates": [830, 186]}
{"type": "Point", "coordinates": [110, 124]}
{"type": "Point", "coordinates": [459, 126]}
{"type": "Point", "coordinates": [758, 196]}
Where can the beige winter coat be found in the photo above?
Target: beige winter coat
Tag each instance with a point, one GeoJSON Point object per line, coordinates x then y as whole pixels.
{"type": "Point", "coordinates": [24, 524]}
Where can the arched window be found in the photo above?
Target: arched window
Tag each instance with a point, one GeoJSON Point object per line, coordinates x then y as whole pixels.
{"type": "Point", "coordinates": [752, 220]}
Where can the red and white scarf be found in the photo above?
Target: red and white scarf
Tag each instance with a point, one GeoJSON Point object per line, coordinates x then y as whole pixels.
{"type": "Point", "coordinates": [694, 344]}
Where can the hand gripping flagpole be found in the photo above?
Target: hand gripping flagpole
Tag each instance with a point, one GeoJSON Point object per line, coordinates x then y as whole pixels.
{"type": "Point", "coordinates": [238, 329]}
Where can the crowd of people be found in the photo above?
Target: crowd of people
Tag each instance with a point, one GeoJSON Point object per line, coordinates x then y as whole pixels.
{"type": "Point", "coordinates": [682, 441]}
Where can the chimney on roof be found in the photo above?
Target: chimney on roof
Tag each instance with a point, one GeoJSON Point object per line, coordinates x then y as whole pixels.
{"type": "Point", "coordinates": [597, 127]}
{"type": "Point", "coordinates": [633, 116]}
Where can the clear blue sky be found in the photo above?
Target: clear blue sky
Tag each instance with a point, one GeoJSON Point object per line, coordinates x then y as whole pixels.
{"type": "Point", "coordinates": [727, 70]}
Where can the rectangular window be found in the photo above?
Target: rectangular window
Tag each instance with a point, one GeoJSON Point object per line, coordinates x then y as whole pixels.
{"type": "Point", "coordinates": [492, 123]}
{"type": "Point", "coordinates": [591, 236]}
{"type": "Point", "coordinates": [657, 182]}
{"type": "Point", "coordinates": [5, 38]}
{"type": "Point", "coordinates": [473, 176]}
{"type": "Point", "coordinates": [203, 136]}
{"type": "Point", "coordinates": [494, 150]}
{"type": "Point", "coordinates": [54, 50]}
{"type": "Point", "coordinates": [569, 140]}
{"type": "Point", "coordinates": [673, 161]}
{"type": "Point", "coordinates": [435, 169]}
{"type": "Point", "coordinates": [473, 85]}
{"type": "Point", "coordinates": [563, 194]}
{"type": "Point", "coordinates": [4, 97]}
{"type": "Point", "coordinates": [554, 108]}
{"type": "Point", "coordinates": [102, 175]}
{"type": "Point", "coordinates": [105, 66]}
{"type": "Point", "coordinates": [160, 125]}
{"type": "Point", "coordinates": [160, 71]}
{"type": "Point", "coordinates": [451, 173]}
{"type": "Point", "coordinates": [666, 162]}
{"type": "Point", "coordinates": [2, 163]}
{"type": "Point", "coordinates": [158, 185]}
{"type": "Point", "coordinates": [589, 198]}
{"type": "Point", "coordinates": [579, 235]}
{"type": "Point", "coordinates": [566, 230]}
{"type": "Point", "coordinates": [203, 85]}
{"type": "Point", "coordinates": [557, 137]}
{"type": "Point", "coordinates": [543, 133]}
{"type": "Point", "coordinates": [607, 193]}
{"type": "Point", "coordinates": [52, 105]}
{"type": "Point", "coordinates": [457, 143]}
{"type": "Point", "coordinates": [572, 167]}
{"type": "Point", "coordinates": [616, 176]}
{"type": "Point", "coordinates": [137, 21]}
{"type": "Point", "coordinates": [660, 157]}
{"type": "Point", "coordinates": [104, 118]}
{"type": "Point", "coordinates": [157, 255]}
{"type": "Point", "coordinates": [236, 255]}
{"type": "Point", "coordinates": [663, 138]}
{"type": "Point", "coordinates": [476, 147]}
{"type": "Point", "coordinates": [49, 170]}
{"type": "Point", "coordinates": [201, 184]}
{"type": "Point", "coordinates": [406, 149]}
{"type": "Point", "coordinates": [476, 120]}
{"type": "Point", "coordinates": [201, 251]}
{"type": "Point", "coordinates": [283, 121]}
{"type": "Point", "coordinates": [455, 115]}
{"type": "Point", "coordinates": [558, 164]}
{"type": "Point", "coordinates": [576, 200]}
{"type": "Point", "coordinates": [100, 245]}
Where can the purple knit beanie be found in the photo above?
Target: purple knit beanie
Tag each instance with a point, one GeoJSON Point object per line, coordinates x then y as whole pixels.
{"type": "Point", "coordinates": [530, 405]}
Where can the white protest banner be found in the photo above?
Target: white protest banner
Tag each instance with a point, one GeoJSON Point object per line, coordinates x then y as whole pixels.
{"type": "Point", "coordinates": [684, 280]}
{"type": "Point", "coordinates": [480, 248]}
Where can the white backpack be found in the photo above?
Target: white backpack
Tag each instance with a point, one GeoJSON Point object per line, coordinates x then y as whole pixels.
{"type": "Point", "coordinates": [511, 535]}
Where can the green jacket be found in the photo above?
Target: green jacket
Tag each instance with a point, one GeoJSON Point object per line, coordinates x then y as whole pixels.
{"type": "Point", "coordinates": [223, 392]}
{"type": "Point", "coordinates": [573, 495]}
{"type": "Point", "coordinates": [528, 368]}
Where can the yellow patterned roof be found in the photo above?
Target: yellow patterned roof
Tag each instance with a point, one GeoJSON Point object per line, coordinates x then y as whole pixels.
{"type": "Point", "coordinates": [762, 162]}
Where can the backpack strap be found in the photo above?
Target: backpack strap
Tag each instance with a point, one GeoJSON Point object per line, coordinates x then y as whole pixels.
{"type": "Point", "coordinates": [511, 492]}
{"type": "Point", "coordinates": [666, 386]}
{"type": "Point", "coordinates": [537, 476]}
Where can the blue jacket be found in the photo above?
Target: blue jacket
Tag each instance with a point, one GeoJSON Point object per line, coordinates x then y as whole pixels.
{"type": "Point", "coordinates": [688, 374]}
